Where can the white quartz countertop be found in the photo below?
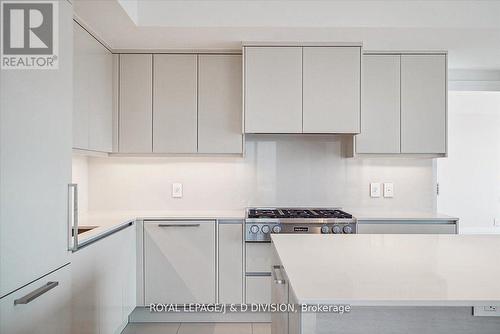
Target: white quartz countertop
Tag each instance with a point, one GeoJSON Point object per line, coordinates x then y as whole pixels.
{"type": "Point", "coordinates": [392, 270]}
{"type": "Point", "coordinates": [386, 215]}
{"type": "Point", "coordinates": [107, 221]}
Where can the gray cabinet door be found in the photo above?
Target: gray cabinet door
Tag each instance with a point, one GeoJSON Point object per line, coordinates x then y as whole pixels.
{"type": "Point", "coordinates": [135, 116]}
{"type": "Point", "coordinates": [273, 89]}
{"type": "Point", "coordinates": [219, 104]}
{"type": "Point", "coordinates": [380, 110]}
{"type": "Point", "coordinates": [174, 103]}
{"type": "Point", "coordinates": [332, 77]}
{"type": "Point", "coordinates": [231, 262]}
{"type": "Point", "coordinates": [179, 262]}
{"type": "Point", "coordinates": [423, 103]}
{"type": "Point", "coordinates": [93, 93]}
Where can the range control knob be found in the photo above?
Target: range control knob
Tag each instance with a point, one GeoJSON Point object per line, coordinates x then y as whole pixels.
{"type": "Point", "coordinates": [276, 229]}
{"type": "Point", "coordinates": [254, 229]}
{"type": "Point", "coordinates": [336, 229]}
{"type": "Point", "coordinates": [347, 229]}
{"type": "Point", "coordinates": [265, 229]}
{"type": "Point", "coordinates": [325, 229]}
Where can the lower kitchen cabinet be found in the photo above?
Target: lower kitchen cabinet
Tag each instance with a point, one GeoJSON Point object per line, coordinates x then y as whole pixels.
{"type": "Point", "coordinates": [258, 289]}
{"type": "Point", "coordinates": [103, 283]}
{"type": "Point", "coordinates": [179, 262]}
{"type": "Point", "coordinates": [48, 313]}
{"type": "Point", "coordinates": [231, 262]}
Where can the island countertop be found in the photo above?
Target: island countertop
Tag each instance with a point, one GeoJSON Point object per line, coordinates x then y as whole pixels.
{"type": "Point", "coordinates": [392, 270]}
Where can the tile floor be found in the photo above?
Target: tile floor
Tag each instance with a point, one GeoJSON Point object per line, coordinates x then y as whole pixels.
{"type": "Point", "coordinates": [198, 328]}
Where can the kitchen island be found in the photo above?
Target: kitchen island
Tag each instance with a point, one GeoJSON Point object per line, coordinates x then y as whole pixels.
{"type": "Point", "coordinates": [392, 283]}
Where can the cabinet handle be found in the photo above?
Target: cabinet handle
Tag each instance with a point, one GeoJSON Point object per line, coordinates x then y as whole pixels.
{"type": "Point", "coordinates": [36, 293]}
{"type": "Point", "coordinates": [178, 225]}
{"type": "Point", "coordinates": [72, 216]}
{"type": "Point", "coordinates": [275, 277]}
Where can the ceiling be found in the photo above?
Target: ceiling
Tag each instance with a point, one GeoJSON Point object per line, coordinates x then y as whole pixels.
{"type": "Point", "coordinates": [469, 30]}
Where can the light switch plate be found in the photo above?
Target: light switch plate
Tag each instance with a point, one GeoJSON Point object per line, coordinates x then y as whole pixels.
{"type": "Point", "coordinates": [388, 189]}
{"type": "Point", "coordinates": [177, 190]}
{"type": "Point", "coordinates": [375, 189]}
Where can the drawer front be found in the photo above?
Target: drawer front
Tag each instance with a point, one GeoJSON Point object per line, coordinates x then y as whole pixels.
{"type": "Point", "coordinates": [258, 289]}
{"type": "Point", "coordinates": [258, 257]}
{"type": "Point", "coordinates": [49, 310]}
{"type": "Point", "coordinates": [407, 228]}
{"type": "Point", "coordinates": [231, 262]}
{"type": "Point", "coordinates": [179, 262]}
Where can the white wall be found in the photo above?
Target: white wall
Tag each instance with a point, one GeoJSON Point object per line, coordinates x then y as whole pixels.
{"type": "Point", "coordinates": [469, 180]}
{"type": "Point", "coordinates": [277, 170]}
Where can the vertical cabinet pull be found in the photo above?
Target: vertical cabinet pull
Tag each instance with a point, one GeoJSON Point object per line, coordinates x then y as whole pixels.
{"type": "Point", "coordinates": [72, 216]}
{"type": "Point", "coordinates": [275, 277]}
{"type": "Point", "coordinates": [36, 293]}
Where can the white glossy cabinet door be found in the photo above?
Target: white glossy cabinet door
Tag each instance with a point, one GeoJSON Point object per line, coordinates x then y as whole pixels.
{"type": "Point", "coordinates": [174, 103]}
{"type": "Point", "coordinates": [380, 111]}
{"type": "Point", "coordinates": [93, 84]}
{"type": "Point", "coordinates": [273, 89]}
{"type": "Point", "coordinates": [331, 89]}
{"type": "Point", "coordinates": [219, 104]}
{"type": "Point", "coordinates": [135, 100]}
{"type": "Point", "coordinates": [423, 103]}
{"type": "Point", "coordinates": [179, 262]}
{"type": "Point", "coordinates": [231, 262]}
{"type": "Point", "coordinates": [103, 281]}
{"type": "Point", "coordinates": [35, 165]}
{"type": "Point", "coordinates": [49, 313]}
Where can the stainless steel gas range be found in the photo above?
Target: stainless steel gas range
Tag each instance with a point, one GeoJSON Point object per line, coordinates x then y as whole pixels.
{"type": "Point", "coordinates": [260, 223]}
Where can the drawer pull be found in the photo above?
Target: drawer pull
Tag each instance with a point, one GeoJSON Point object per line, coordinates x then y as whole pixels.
{"type": "Point", "coordinates": [36, 293]}
{"type": "Point", "coordinates": [275, 277]}
{"type": "Point", "coordinates": [178, 225]}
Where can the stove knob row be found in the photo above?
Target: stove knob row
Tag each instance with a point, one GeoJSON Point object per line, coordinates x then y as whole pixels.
{"type": "Point", "coordinates": [276, 229]}
{"type": "Point", "coordinates": [265, 229]}
{"type": "Point", "coordinates": [254, 229]}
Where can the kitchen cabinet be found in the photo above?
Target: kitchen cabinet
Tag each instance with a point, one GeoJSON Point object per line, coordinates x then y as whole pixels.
{"type": "Point", "coordinates": [93, 93]}
{"type": "Point", "coordinates": [404, 108]}
{"type": "Point", "coordinates": [423, 103]}
{"type": "Point", "coordinates": [48, 313]}
{"type": "Point", "coordinates": [258, 289]}
{"type": "Point", "coordinates": [380, 111]}
{"type": "Point", "coordinates": [135, 130]}
{"type": "Point", "coordinates": [331, 89]}
{"type": "Point", "coordinates": [219, 104]}
{"type": "Point", "coordinates": [179, 262]}
{"type": "Point", "coordinates": [35, 165]}
{"type": "Point", "coordinates": [230, 262]}
{"type": "Point", "coordinates": [279, 296]}
{"type": "Point", "coordinates": [175, 103]}
{"type": "Point", "coordinates": [103, 281]}
{"type": "Point", "coordinates": [273, 89]}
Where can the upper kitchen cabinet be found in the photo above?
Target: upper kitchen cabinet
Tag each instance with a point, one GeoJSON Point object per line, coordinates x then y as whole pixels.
{"type": "Point", "coordinates": [331, 89]}
{"type": "Point", "coordinates": [93, 84]}
{"type": "Point", "coordinates": [135, 130]}
{"type": "Point", "coordinates": [219, 104]}
{"type": "Point", "coordinates": [175, 103]}
{"type": "Point", "coordinates": [403, 104]}
{"type": "Point", "coordinates": [273, 89]}
{"type": "Point", "coordinates": [380, 111]}
{"type": "Point", "coordinates": [423, 103]}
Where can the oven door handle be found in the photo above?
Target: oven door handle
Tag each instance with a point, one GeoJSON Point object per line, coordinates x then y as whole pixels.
{"type": "Point", "coordinates": [275, 277]}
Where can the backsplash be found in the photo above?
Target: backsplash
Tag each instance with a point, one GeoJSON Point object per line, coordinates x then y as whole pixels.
{"type": "Point", "coordinates": [277, 170]}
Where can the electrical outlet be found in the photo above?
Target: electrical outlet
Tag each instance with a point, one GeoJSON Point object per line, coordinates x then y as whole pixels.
{"type": "Point", "coordinates": [375, 189]}
{"type": "Point", "coordinates": [496, 221]}
{"type": "Point", "coordinates": [177, 190]}
{"type": "Point", "coordinates": [486, 311]}
{"type": "Point", "coordinates": [389, 189]}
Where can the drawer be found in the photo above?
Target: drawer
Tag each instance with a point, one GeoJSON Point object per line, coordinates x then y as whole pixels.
{"type": "Point", "coordinates": [258, 257]}
{"type": "Point", "coordinates": [48, 313]}
{"type": "Point", "coordinates": [407, 228]}
{"type": "Point", "coordinates": [258, 289]}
